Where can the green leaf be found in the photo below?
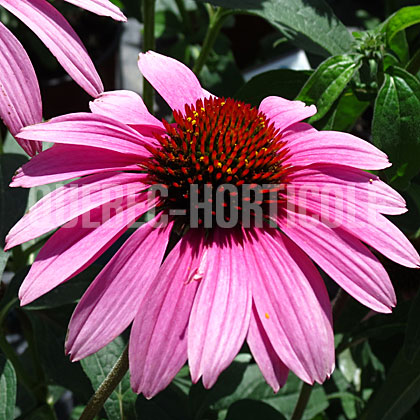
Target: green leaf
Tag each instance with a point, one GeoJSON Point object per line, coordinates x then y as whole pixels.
{"type": "Point", "coordinates": [328, 82]}
{"type": "Point", "coordinates": [200, 399]}
{"type": "Point", "coordinates": [310, 24]}
{"type": "Point", "coordinates": [121, 404]}
{"type": "Point", "coordinates": [49, 338]}
{"type": "Point", "coordinates": [170, 404]}
{"type": "Point", "coordinates": [254, 387]}
{"type": "Point", "coordinates": [344, 114]}
{"type": "Point", "coordinates": [8, 387]}
{"type": "Point", "coordinates": [68, 292]}
{"type": "Point", "coordinates": [412, 335]}
{"type": "Point", "coordinates": [396, 125]}
{"type": "Point", "coordinates": [12, 200]}
{"type": "Point", "coordinates": [285, 83]}
{"type": "Point", "coordinates": [411, 415]}
{"type": "Point", "coordinates": [399, 45]}
{"type": "Point", "coordinates": [251, 410]}
{"type": "Point", "coordinates": [10, 298]}
{"type": "Point", "coordinates": [4, 256]}
{"type": "Point", "coordinates": [220, 73]}
{"type": "Point", "coordinates": [44, 412]}
{"type": "Point", "coordinates": [400, 20]}
{"type": "Point", "coordinates": [399, 392]}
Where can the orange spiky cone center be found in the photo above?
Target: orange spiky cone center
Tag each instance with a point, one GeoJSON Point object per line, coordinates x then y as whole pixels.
{"type": "Point", "coordinates": [214, 142]}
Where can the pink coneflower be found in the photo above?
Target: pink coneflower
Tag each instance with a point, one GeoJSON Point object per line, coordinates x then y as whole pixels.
{"type": "Point", "coordinates": [212, 288]}
{"type": "Point", "coordinates": [20, 100]}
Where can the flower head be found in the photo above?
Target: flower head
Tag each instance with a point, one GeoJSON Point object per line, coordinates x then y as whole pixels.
{"type": "Point", "coordinates": [244, 199]}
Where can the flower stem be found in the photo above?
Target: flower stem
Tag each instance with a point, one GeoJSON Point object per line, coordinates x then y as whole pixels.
{"type": "Point", "coordinates": [216, 19]}
{"type": "Point", "coordinates": [184, 15]}
{"type": "Point", "coordinates": [339, 302]}
{"type": "Point", "coordinates": [305, 394]}
{"type": "Point", "coordinates": [148, 44]}
{"type": "Point", "coordinates": [106, 388]}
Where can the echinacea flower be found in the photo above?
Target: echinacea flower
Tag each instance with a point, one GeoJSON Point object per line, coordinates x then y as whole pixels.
{"type": "Point", "coordinates": [217, 285]}
{"type": "Point", "coordinates": [20, 100]}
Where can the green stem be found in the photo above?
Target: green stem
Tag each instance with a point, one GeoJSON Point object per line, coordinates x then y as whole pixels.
{"type": "Point", "coordinates": [148, 44]}
{"type": "Point", "coordinates": [340, 300]}
{"type": "Point", "coordinates": [106, 388]}
{"type": "Point", "coordinates": [184, 15]}
{"type": "Point", "coordinates": [305, 394]}
{"type": "Point", "coordinates": [216, 20]}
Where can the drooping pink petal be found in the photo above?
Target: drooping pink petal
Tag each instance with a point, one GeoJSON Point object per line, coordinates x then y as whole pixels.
{"type": "Point", "coordinates": [220, 315]}
{"type": "Point", "coordinates": [350, 185]}
{"type": "Point", "coordinates": [71, 201]}
{"type": "Point", "coordinates": [283, 113]}
{"type": "Point", "coordinates": [87, 129]}
{"type": "Point", "coordinates": [66, 161]}
{"type": "Point", "coordinates": [174, 81]}
{"type": "Point", "coordinates": [310, 146]}
{"type": "Point", "coordinates": [343, 258]}
{"type": "Point", "coordinates": [292, 304]}
{"type": "Point", "coordinates": [158, 340]}
{"type": "Point", "coordinates": [113, 299]}
{"type": "Point", "coordinates": [20, 98]}
{"type": "Point", "coordinates": [275, 372]}
{"type": "Point", "coordinates": [78, 243]}
{"type": "Point", "coordinates": [100, 7]}
{"type": "Point", "coordinates": [364, 222]}
{"type": "Point", "coordinates": [59, 37]}
{"type": "Point", "coordinates": [124, 106]}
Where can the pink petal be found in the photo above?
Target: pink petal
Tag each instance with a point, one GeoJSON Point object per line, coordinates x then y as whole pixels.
{"type": "Point", "coordinates": [20, 98]}
{"type": "Point", "coordinates": [221, 311]}
{"type": "Point", "coordinates": [87, 129]}
{"type": "Point", "coordinates": [100, 7]}
{"type": "Point", "coordinates": [174, 81]}
{"type": "Point", "coordinates": [386, 238]}
{"type": "Point", "coordinates": [59, 37]}
{"type": "Point", "coordinates": [275, 372]}
{"type": "Point", "coordinates": [66, 161]}
{"type": "Point", "coordinates": [296, 131]}
{"type": "Point", "coordinates": [292, 305]}
{"type": "Point", "coordinates": [310, 146]}
{"type": "Point", "coordinates": [158, 340]}
{"type": "Point", "coordinates": [71, 201]}
{"type": "Point", "coordinates": [350, 185]}
{"type": "Point", "coordinates": [112, 300]}
{"type": "Point", "coordinates": [361, 221]}
{"type": "Point", "coordinates": [124, 106]}
{"type": "Point", "coordinates": [343, 258]}
{"type": "Point", "coordinates": [283, 113]}
{"type": "Point", "coordinates": [78, 243]}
